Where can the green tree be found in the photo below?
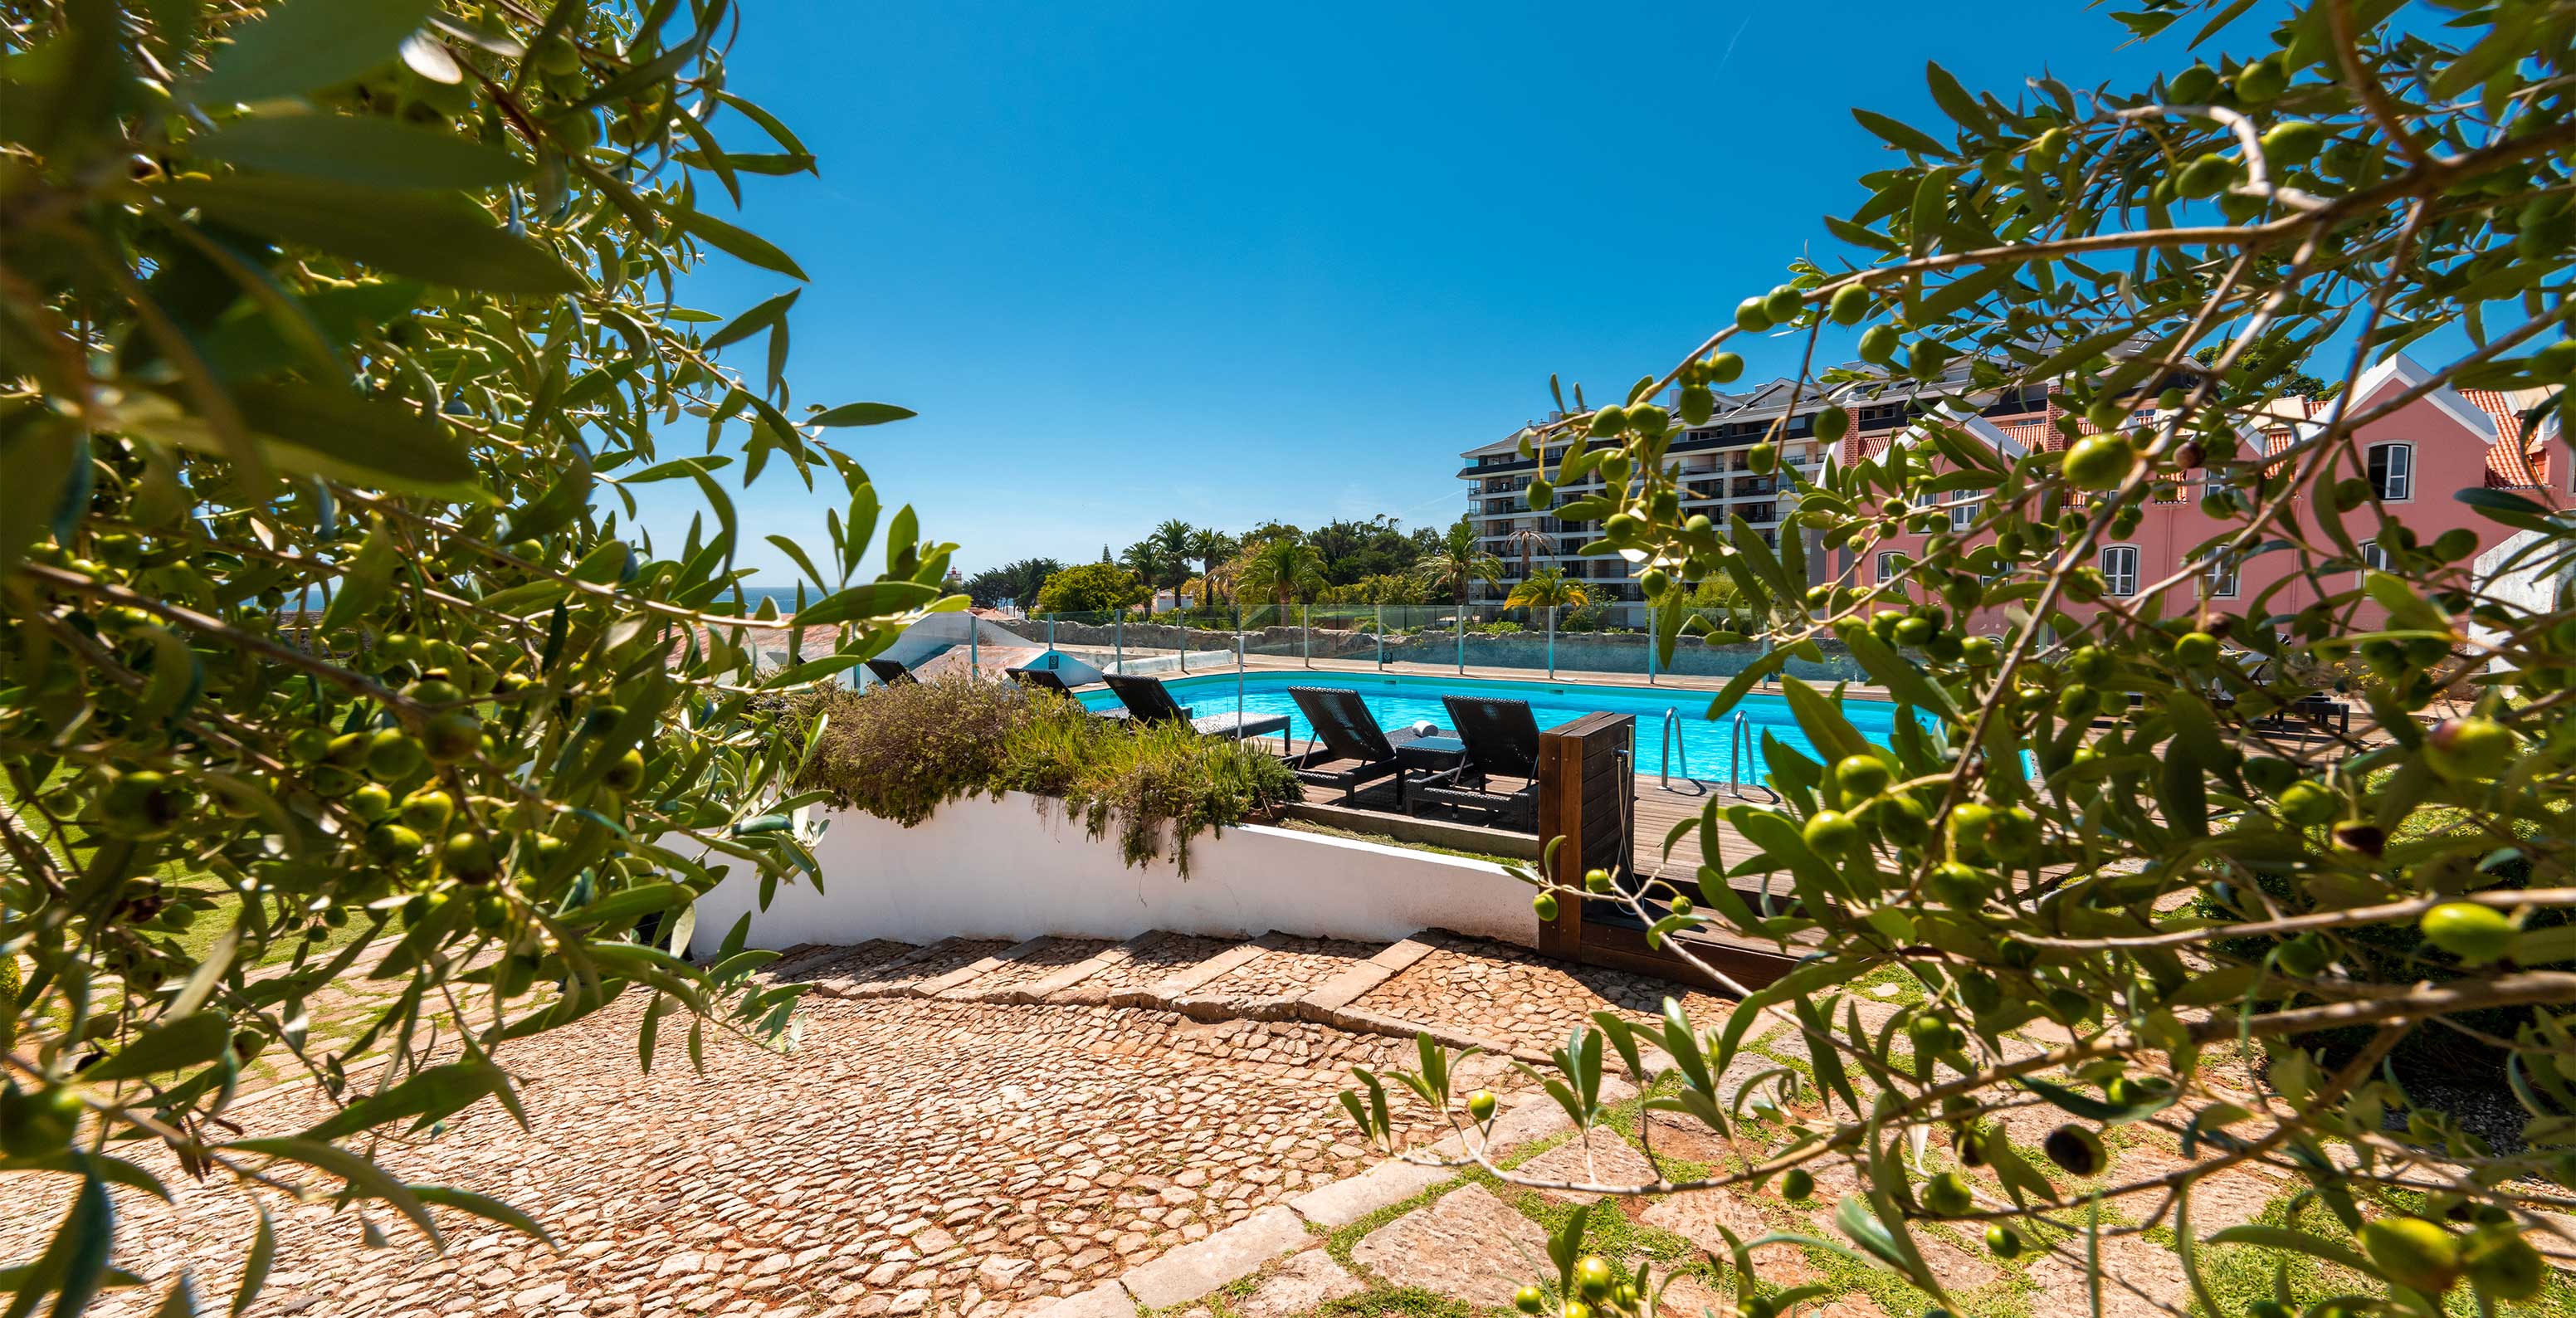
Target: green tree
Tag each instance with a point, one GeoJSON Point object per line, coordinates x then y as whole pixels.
{"type": "Point", "coordinates": [1527, 542]}
{"type": "Point", "coordinates": [333, 335]}
{"type": "Point", "coordinates": [1548, 588]}
{"type": "Point", "coordinates": [1211, 548]}
{"type": "Point", "coordinates": [1282, 571]}
{"type": "Point", "coordinates": [1458, 559]}
{"type": "Point", "coordinates": [1350, 550]}
{"type": "Point", "coordinates": [1091, 588]}
{"type": "Point", "coordinates": [1019, 581]}
{"type": "Point", "coordinates": [2189, 916]}
{"type": "Point", "coordinates": [1173, 542]}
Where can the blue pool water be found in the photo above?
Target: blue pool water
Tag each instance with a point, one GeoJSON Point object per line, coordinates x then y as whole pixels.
{"type": "Point", "coordinates": [1400, 702]}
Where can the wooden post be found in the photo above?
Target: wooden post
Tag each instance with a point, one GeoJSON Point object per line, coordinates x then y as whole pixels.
{"type": "Point", "coordinates": [1587, 796]}
{"type": "Point", "coordinates": [1582, 770]}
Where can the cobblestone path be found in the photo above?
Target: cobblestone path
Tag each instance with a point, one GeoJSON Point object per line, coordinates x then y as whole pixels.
{"type": "Point", "coordinates": [981, 1129]}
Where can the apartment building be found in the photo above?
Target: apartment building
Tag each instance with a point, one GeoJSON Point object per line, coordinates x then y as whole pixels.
{"type": "Point", "coordinates": [2434, 443]}
{"type": "Point", "coordinates": [1711, 462]}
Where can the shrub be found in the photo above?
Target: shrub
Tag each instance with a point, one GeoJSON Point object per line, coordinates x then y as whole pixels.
{"type": "Point", "coordinates": [2087, 830]}
{"type": "Point", "coordinates": [900, 752]}
{"type": "Point", "coordinates": [1090, 588]}
{"type": "Point", "coordinates": [1142, 779]}
{"type": "Point", "coordinates": [1591, 617]}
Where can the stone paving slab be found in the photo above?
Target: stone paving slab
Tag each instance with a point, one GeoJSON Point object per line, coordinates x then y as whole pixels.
{"type": "Point", "coordinates": [978, 969]}
{"type": "Point", "coordinates": [924, 967]}
{"type": "Point", "coordinates": [1348, 1200]}
{"type": "Point", "coordinates": [1106, 1300]}
{"type": "Point", "coordinates": [1300, 1285]}
{"type": "Point", "coordinates": [826, 963]}
{"type": "Point", "coordinates": [1695, 1216]}
{"type": "Point", "coordinates": [1031, 977]}
{"type": "Point", "coordinates": [1466, 1245]}
{"type": "Point", "coordinates": [1151, 959]}
{"type": "Point", "coordinates": [1604, 1159]}
{"type": "Point", "coordinates": [1291, 967]}
{"type": "Point", "coordinates": [1188, 979]}
{"type": "Point", "coordinates": [1228, 1256]}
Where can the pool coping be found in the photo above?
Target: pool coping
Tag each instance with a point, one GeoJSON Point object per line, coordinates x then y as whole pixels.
{"type": "Point", "coordinates": [1693, 684]}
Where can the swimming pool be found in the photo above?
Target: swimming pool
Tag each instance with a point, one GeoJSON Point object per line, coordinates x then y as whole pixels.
{"type": "Point", "coordinates": [1400, 702]}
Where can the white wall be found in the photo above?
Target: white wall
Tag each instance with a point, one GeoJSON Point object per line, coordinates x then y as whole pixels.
{"type": "Point", "coordinates": [2526, 589]}
{"type": "Point", "coordinates": [1016, 868]}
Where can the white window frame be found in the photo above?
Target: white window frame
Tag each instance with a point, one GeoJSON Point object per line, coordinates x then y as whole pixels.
{"type": "Point", "coordinates": [2110, 579]}
{"type": "Point", "coordinates": [2399, 484]}
{"type": "Point", "coordinates": [2220, 582]}
{"type": "Point", "coordinates": [1886, 566]}
{"type": "Point", "coordinates": [2373, 559]}
{"type": "Point", "coordinates": [1963, 515]}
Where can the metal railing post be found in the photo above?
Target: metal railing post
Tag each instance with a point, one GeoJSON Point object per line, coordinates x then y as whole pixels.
{"type": "Point", "coordinates": [1306, 634]}
{"type": "Point", "coordinates": [1551, 642]}
{"type": "Point", "coordinates": [1651, 647]}
{"type": "Point", "coordinates": [1381, 636]}
{"type": "Point", "coordinates": [974, 648]}
{"type": "Point", "coordinates": [1118, 643]}
{"type": "Point", "coordinates": [1462, 640]}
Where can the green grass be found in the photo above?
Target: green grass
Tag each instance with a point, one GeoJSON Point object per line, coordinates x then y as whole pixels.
{"type": "Point", "coordinates": [199, 938]}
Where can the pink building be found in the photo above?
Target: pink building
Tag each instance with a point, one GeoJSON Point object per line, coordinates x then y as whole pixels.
{"type": "Point", "coordinates": [2417, 457]}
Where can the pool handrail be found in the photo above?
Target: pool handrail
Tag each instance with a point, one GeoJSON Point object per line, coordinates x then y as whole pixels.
{"type": "Point", "coordinates": [1672, 739]}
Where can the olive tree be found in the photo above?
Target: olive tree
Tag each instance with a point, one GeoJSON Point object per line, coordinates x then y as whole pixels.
{"type": "Point", "coordinates": [336, 337]}
{"type": "Point", "coordinates": [2164, 912]}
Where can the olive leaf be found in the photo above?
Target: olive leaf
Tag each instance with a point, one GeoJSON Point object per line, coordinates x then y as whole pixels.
{"type": "Point", "coordinates": [299, 45]}
{"type": "Point", "coordinates": [439, 238]}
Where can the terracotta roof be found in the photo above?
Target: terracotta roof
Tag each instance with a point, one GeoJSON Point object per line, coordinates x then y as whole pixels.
{"type": "Point", "coordinates": [2509, 463]}
{"type": "Point", "coordinates": [2033, 432]}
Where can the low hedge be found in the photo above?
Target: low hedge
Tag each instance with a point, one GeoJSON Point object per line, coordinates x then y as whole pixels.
{"type": "Point", "coordinates": [900, 752]}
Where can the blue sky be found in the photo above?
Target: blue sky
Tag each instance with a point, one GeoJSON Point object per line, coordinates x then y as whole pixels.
{"type": "Point", "coordinates": [1230, 263]}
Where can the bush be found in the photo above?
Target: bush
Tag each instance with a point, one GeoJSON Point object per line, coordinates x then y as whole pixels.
{"type": "Point", "coordinates": [2085, 827]}
{"type": "Point", "coordinates": [1591, 617]}
{"type": "Point", "coordinates": [2474, 1047]}
{"type": "Point", "coordinates": [900, 752]}
{"type": "Point", "coordinates": [1090, 588]}
{"type": "Point", "coordinates": [1140, 779]}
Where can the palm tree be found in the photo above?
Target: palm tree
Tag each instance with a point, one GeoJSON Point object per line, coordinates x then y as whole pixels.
{"type": "Point", "coordinates": [1282, 569]}
{"type": "Point", "coordinates": [1458, 558]}
{"type": "Point", "coordinates": [1548, 588]}
{"type": "Point", "coordinates": [1529, 541]}
{"type": "Point", "coordinates": [1142, 559]}
{"type": "Point", "coordinates": [1209, 546]}
{"type": "Point", "coordinates": [1171, 542]}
